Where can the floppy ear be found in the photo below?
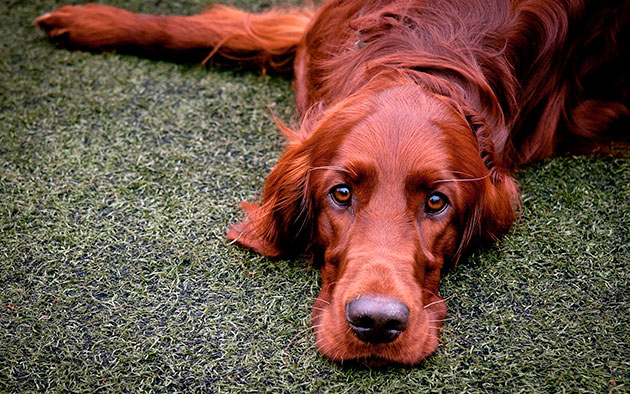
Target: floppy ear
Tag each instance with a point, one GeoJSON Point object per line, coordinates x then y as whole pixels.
{"type": "Point", "coordinates": [281, 224]}
{"type": "Point", "coordinates": [498, 207]}
{"type": "Point", "coordinates": [494, 211]}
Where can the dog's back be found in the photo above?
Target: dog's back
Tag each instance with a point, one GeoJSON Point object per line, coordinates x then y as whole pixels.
{"type": "Point", "coordinates": [547, 75]}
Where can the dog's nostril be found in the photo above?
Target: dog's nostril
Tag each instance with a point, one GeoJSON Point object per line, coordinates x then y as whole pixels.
{"type": "Point", "coordinates": [377, 319]}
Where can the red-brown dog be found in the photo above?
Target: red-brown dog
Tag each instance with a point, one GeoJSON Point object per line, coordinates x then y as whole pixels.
{"type": "Point", "coordinates": [413, 114]}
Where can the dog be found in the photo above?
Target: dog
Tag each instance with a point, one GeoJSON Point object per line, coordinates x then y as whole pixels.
{"type": "Point", "coordinates": [414, 113]}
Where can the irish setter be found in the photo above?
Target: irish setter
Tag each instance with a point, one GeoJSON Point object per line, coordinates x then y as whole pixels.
{"type": "Point", "coordinates": [413, 114]}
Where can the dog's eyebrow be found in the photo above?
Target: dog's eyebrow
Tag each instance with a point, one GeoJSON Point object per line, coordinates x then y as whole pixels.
{"type": "Point", "coordinates": [334, 168]}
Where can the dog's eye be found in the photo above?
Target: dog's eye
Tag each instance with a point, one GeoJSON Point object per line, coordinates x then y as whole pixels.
{"type": "Point", "coordinates": [341, 194]}
{"type": "Point", "coordinates": [436, 202]}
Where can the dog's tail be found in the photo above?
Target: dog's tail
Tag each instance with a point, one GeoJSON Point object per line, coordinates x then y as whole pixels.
{"type": "Point", "coordinates": [268, 39]}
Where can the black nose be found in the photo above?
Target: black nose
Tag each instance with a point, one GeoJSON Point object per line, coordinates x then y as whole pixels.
{"type": "Point", "coordinates": [377, 319]}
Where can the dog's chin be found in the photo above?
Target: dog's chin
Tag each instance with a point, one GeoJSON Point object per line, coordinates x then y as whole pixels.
{"type": "Point", "coordinates": [335, 341]}
{"type": "Point", "coordinates": [379, 356]}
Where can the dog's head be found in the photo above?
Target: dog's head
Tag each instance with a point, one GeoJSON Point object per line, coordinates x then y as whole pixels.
{"type": "Point", "coordinates": [385, 189]}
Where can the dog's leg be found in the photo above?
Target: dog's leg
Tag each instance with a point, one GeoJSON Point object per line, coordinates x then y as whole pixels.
{"type": "Point", "coordinates": [268, 39]}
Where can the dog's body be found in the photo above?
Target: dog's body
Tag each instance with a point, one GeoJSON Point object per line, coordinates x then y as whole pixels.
{"type": "Point", "coordinates": [413, 114]}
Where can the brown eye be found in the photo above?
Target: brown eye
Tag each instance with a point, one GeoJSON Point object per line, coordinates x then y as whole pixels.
{"type": "Point", "coordinates": [436, 202]}
{"type": "Point", "coordinates": [341, 194]}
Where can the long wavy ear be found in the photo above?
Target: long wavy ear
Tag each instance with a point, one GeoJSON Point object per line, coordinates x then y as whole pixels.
{"type": "Point", "coordinates": [494, 211]}
{"type": "Point", "coordinates": [281, 223]}
{"type": "Point", "coordinates": [481, 130]}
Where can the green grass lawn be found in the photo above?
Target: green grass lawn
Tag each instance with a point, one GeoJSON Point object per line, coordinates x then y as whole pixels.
{"type": "Point", "coordinates": [119, 177]}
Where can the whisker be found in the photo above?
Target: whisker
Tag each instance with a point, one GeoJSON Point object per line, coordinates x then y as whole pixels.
{"type": "Point", "coordinates": [323, 348]}
{"type": "Point", "coordinates": [310, 328]}
{"type": "Point", "coordinates": [311, 346]}
{"type": "Point", "coordinates": [318, 299]}
{"type": "Point", "coordinates": [295, 336]}
{"type": "Point", "coordinates": [437, 338]}
{"type": "Point", "coordinates": [318, 342]}
{"type": "Point", "coordinates": [444, 330]}
{"type": "Point", "coordinates": [232, 242]}
{"type": "Point", "coordinates": [462, 173]}
{"type": "Point", "coordinates": [307, 350]}
{"type": "Point", "coordinates": [335, 168]}
{"type": "Point", "coordinates": [338, 354]}
{"type": "Point", "coordinates": [462, 179]}
{"type": "Point", "coordinates": [442, 320]}
{"type": "Point", "coordinates": [314, 345]}
{"type": "Point", "coordinates": [439, 301]}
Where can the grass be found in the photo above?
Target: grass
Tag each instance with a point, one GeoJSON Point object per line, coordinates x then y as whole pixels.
{"type": "Point", "coordinates": [119, 178]}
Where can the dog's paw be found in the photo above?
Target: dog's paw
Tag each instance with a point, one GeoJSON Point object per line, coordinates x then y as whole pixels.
{"type": "Point", "coordinates": [90, 25]}
{"type": "Point", "coordinates": [57, 23]}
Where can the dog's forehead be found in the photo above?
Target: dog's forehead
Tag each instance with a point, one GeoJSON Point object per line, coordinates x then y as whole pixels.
{"type": "Point", "coordinates": [404, 134]}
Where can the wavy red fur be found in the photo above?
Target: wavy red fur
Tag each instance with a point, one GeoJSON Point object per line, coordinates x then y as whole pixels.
{"type": "Point", "coordinates": [414, 113]}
